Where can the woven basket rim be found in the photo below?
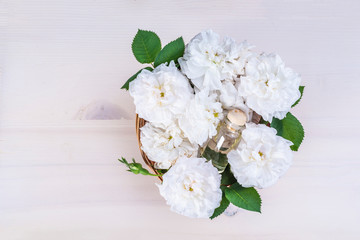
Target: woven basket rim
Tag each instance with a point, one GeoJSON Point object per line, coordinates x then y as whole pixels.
{"type": "Point", "coordinates": [139, 123]}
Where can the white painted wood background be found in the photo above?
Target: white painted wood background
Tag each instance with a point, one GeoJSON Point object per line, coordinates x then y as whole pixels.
{"type": "Point", "coordinates": [62, 65]}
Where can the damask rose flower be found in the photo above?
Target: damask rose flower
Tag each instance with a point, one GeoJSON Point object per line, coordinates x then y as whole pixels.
{"type": "Point", "coordinates": [162, 94]}
{"type": "Point", "coordinates": [208, 60]}
{"type": "Point", "coordinates": [261, 158]}
{"type": "Point", "coordinates": [268, 87]}
{"type": "Point", "coordinates": [192, 187]}
{"type": "Point", "coordinates": [201, 118]}
{"type": "Point", "coordinates": [164, 145]}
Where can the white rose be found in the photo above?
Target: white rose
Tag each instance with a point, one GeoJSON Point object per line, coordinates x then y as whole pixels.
{"type": "Point", "coordinates": [192, 187]}
{"type": "Point", "coordinates": [261, 158]}
{"type": "Point", "coordinates": [228, 94]}
{"type": "Point", "coordinates": [230, 98]}
{"type": "Point", "coordinates": [269, 88]}
{"type": "Point", "coordinates": [201, 118]}
{"type": "Point", "coordinates": [165, 145]}
{"type": "Point", "coordinates": [207, 60]}
{"type": "Point", "coordinates": [162, 94]}
{"type": "Point", "coordinates": [237, 56]}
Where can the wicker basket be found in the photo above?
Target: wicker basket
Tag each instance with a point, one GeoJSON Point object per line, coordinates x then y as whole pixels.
{"type": "Point", "coordinates": [141, 122]}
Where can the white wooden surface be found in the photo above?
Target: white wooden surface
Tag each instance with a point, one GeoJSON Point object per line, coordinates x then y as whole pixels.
{"type": "Point", "coordinates": [62, 65]}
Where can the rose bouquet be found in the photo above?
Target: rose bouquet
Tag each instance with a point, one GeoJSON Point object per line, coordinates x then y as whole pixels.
{"type": "Point", "coordinates": [213, 121]}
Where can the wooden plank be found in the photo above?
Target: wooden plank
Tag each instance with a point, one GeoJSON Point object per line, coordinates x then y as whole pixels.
{"type": "Point", "coordinates": [62, 65]}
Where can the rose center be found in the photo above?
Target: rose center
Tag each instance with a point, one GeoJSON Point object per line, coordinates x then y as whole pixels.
{"type": "Point", "coordinates": [189, 186]}
{"type": "Point", "coordinates": [261, 154]}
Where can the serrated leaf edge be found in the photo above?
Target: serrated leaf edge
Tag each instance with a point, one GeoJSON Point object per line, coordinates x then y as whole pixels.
{"type": "Point", "coordinates": [302, 127]}
{"type": "Point", "coordinates": [132, 45]}
{"type": "Point", "coordinates": [302, 93]}
{"type": "Point", "coordinates": [229, 188]}
{"type": "Point", "coordinates": [155, 64]}
{"type": "Point", "coordinates": [227, 205]}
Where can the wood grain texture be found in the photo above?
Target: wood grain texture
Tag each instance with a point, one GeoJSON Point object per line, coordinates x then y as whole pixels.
{"type": "Point", "coordinates": [64, 61]}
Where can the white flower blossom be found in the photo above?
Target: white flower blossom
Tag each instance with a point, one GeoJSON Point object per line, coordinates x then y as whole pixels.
{"type": "Point", "coordinates": [237, 56]}
{"type": "Point", "coordinates": [192, 187]}
{"type": "Point", "coordinates": [261, 158]}
{"type": "Point", "coordinates": [164, 145]}
{"type": "Point", "coordinates": [269, 88]}
{"type": "Point", "coordinates": [207, 60]}
{"type": "Point", "coordinates": [162, 94]}
{"type": "Point", "coordinates": [230, 98]}
{"type": "Point", "coordinates": [201, 118]}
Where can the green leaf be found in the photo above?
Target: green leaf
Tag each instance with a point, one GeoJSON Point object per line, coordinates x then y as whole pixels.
{"type": "Point", "coordinates": [133, 77]}
{"type": "Point", "coordinates": [227, 177]}
{"type": "Point", "coordinates": [223, 205]}
{"type": "Point", "coordinates": [301, 89]}
{"type": "Point", "coordinates": [246, 198]}
{"type": "Point", "coordinates": [146, 46]}
{"type": "Point", "coordinates": [171, 51]}
{"type": "Point", "coordinates": [289, 128]}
